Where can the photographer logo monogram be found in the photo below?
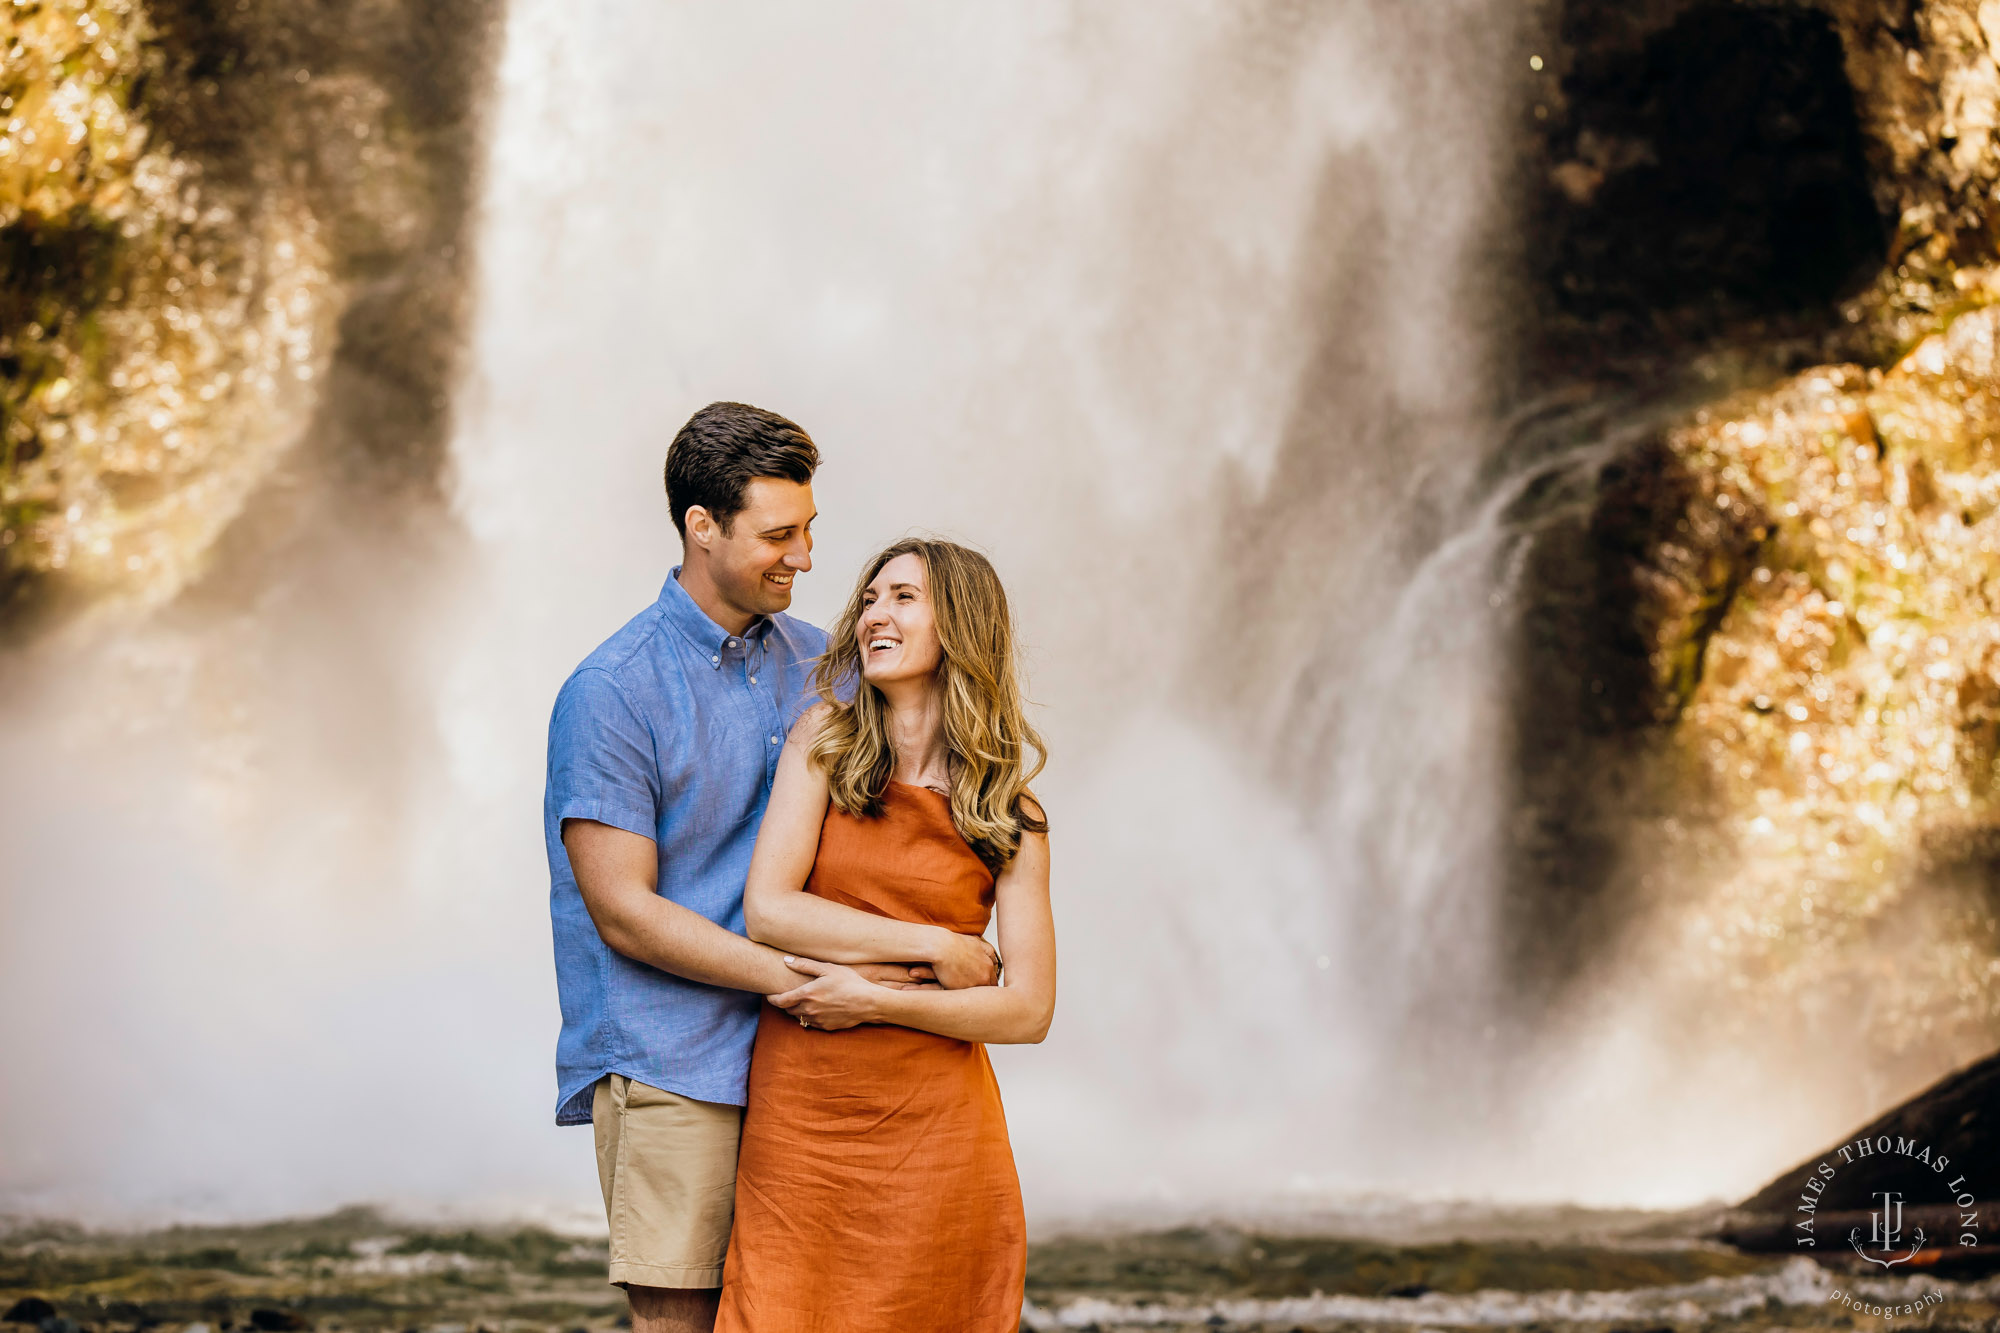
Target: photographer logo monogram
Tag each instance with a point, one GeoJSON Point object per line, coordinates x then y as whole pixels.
{"type": "Point", "coordinates": [1885, 1232]}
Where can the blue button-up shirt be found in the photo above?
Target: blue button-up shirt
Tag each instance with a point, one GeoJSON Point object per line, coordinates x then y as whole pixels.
{"type": "Point", "coordinates": [670, 730]}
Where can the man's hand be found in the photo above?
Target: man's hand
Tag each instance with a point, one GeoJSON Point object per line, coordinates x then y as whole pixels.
{"type": "Point", "coordinates": [899, 976]}
{"type": "Point", "coordinates": [837, 997]}
{"type": "Point", "coordinates": [963, 961]}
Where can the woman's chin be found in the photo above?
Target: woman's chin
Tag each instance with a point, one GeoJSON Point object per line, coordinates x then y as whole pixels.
{"type": "Point", "coordinates": [887, 674]}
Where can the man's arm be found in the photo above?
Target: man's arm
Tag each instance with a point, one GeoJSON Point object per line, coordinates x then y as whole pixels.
{"type": "Point", "coordinates": [618, 872]}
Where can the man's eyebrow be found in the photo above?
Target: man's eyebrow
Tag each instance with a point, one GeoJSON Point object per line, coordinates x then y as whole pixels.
{"type": "Point", "coordinates": [784, 527]}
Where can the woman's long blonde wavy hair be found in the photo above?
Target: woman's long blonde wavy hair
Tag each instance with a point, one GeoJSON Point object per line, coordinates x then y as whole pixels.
{"type": "Point", "coordinates": [987, 734]}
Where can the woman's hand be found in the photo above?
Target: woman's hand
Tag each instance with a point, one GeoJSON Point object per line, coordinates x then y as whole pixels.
{"type": "Point", "coordinates": [898, 976]}
{"type": "Point", "coordinates": [837, 997]}
{"type": "Point", "coordinates": [963, 961]}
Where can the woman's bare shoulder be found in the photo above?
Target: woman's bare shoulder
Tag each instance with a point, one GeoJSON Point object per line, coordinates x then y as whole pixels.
{"type": "Point", "coordinates": [811, 722]}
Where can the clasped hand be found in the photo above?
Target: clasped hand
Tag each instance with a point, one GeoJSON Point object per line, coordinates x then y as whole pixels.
{"type": "Point", "coordinates": [839, 997]}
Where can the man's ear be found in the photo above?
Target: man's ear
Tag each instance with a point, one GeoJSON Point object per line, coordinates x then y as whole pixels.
{"type": "Point", "coordinates": [701, 527]}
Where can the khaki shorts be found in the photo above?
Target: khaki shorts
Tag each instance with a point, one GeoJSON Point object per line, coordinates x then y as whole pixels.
{"type": "Point", "coordinates": [668, 1167]}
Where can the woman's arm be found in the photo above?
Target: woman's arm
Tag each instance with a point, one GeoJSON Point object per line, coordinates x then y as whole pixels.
{"type": "Point", "coordinates": [1018, 1010]}
{"type": "Point", "coordinates": [779, 913]}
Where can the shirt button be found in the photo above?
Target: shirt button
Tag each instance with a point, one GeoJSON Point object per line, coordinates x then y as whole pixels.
{"type": "Point", "coordinates": [753, 680]}
{"type": "Point", "coordinates": [715, 659]}
{"type": "Point", "coordinates": [729, 643]}
{"type": "Point", "coordinates": [774, 740]}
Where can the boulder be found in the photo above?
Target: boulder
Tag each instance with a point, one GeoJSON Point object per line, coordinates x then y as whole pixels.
{"type": "Point", "coordinates": [1957, 1118]}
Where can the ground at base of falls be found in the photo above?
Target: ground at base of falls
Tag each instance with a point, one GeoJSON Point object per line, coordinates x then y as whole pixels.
{"type": "Point", "coordinates": [358, 1272]}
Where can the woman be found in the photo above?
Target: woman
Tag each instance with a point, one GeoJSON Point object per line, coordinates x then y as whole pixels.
{"type": "Point", "coordinates": [875, 1188]}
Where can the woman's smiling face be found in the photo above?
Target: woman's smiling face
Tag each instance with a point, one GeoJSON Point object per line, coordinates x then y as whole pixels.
{"type": "Point", "coordinates": [897, 631]}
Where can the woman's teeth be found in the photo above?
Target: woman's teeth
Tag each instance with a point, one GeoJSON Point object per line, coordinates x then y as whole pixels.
{"type": "Point", "coordinates": [873, 644]}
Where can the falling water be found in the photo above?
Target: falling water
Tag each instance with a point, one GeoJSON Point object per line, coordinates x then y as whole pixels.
{"type": "Point", "coordinates": [1082, 286]}
{"type": "Point", "coordinates": [1184, 313]}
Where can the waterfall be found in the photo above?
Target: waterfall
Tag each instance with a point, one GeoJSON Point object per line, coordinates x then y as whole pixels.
{"type": "Point", "coordinates": [1185, 313]}
{"type": "Point", "coordinates": [1177, 315]}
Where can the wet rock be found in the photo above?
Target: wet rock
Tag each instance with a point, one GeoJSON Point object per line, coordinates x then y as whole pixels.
{"type": "Point", "coordinates": [267, 1319]}
{"type": "Point", "coordinates": [1707, 163]}
{"type": "Point", "coordinates": [1757, 691]}
{"type": "Point", "coordinates": [28, 1310]}
{"type": "Point", "coordinates": [1703, 163]}
{"type": "Point", "coordinates": [223, 229]}
{"type": "Point", "coordinates": [1957, 1119]}
{"type": "Point", "coordinates": [1765, 670]}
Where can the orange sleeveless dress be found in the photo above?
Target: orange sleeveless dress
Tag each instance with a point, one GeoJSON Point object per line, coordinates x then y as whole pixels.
{"type": "Point", "coordinates": [875, 1190]}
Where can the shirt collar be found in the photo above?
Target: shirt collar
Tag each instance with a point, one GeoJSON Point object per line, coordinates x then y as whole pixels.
{"type": "Point", "coordinates": [693, 622]}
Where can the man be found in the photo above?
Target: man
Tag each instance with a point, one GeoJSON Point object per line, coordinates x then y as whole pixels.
{"type": "Point", "coordinates": [662, 750]}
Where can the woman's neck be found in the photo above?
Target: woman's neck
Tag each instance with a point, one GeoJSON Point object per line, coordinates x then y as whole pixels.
{"type": "Point", "coordinates": [916, 730]}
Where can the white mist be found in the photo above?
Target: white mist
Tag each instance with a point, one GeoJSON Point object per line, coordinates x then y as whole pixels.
{"type": "Point", "coordinates": [1081, 284]}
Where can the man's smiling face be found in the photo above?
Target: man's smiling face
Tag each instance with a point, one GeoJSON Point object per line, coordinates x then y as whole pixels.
{"type": "Point", "coordinates": [766, 546]}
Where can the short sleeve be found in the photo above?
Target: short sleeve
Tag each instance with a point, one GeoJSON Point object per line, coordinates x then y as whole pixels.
{"type": "Point", "coordinates": [601, 760]}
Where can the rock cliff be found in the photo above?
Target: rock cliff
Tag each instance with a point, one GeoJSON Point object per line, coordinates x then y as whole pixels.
{"type": "Point", "coordinates": [216, 223]}
{"type": "Point", "coordinates": [1760, 679]}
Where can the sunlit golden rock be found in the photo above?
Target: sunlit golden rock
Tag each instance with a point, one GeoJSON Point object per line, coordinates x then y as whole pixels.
{"type": "Point", "coordinates": [68, 139]}
{"type": "Point", "coordinates": [1820, 615]}
{"type": "Point", "coordinates": [162, 337]}
{"type": "Point", "coordinates": [191, 200]}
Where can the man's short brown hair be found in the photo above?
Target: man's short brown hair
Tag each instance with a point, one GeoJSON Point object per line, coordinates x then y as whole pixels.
{"type": "Point", "coordinates": [722, 448]}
